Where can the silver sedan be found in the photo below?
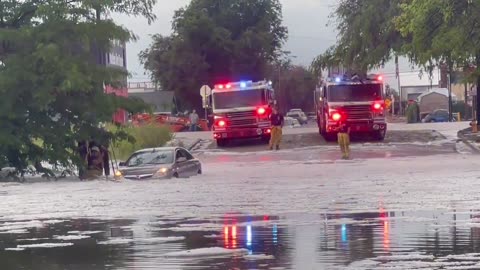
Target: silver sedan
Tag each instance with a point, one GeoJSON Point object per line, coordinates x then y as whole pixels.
{"type": "Point", "coordinates": [163, 162]}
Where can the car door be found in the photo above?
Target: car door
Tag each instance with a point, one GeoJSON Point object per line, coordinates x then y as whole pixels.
{"type": "Point", "coordinates": [181, 163]}
{"type": "Point", "coordinates": [191, 165]}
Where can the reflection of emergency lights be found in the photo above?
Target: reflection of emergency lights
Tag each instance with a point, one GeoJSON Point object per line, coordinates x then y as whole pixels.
{"type": "Point", "coordinates": [230, 233]}
{"type": "Point", "coordinates": [275, 234]}
{"type": "Point", "coordinates": [344, 233]}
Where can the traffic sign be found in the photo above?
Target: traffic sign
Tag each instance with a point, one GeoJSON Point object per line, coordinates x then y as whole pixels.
{"type": "Point", "coordinates": [205, 91]}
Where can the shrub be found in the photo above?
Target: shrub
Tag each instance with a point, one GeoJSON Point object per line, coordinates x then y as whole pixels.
{"type": "Point", "coordinates": [145, 136]}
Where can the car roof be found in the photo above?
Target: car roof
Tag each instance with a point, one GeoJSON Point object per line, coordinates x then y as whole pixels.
{"type": "Point", "coordinates": [157, 149]}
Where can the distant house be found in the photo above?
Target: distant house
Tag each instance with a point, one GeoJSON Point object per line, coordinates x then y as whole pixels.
{"type": "Point", "coordinates": [435, 99]}
{"type": "Point", "coordinates": [413, 85]}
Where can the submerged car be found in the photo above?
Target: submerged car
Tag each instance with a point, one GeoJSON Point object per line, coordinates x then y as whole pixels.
{"type": "Point", "coordinates": [164, 162]}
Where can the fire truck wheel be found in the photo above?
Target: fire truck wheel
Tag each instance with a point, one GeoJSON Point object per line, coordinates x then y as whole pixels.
{"type": "Point", "coordinates": [266, 139]}
{"type": "Point", "coordinates": [221, 142]}
{"type": "Point", "coordinates": [379, 135]}
{"type": "Point", "coordinates": [330, 137]}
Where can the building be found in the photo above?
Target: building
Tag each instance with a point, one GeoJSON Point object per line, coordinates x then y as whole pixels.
{"type": "Point", "coordinates": [150, 93]}
{"type": "Point", "coordinates": [435, 99]}
{"type": "Point", "coordinates": [413, 84]}
{"type": "Point", "coordinates": [115, 58]}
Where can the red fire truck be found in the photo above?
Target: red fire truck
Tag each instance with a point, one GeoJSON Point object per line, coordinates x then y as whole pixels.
{"type": "Point", "coordinates": [358, 101]}
{"type": "Point", "coordinates": [241, 110]}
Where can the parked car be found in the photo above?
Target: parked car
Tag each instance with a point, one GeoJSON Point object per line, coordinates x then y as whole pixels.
{"type": "Point", "coordinates": [436, 116]}
{"type": "Point", "coordinates": [299, 115]}
{"type": "Point", "coordinates": [312, 116]}
{"type": "Point", "coordinates": [163, 162]}
{"type": "Point", "coordinates": [291, 122]}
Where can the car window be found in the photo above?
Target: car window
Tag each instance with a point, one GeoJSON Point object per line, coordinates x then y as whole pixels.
{"type": "Point", "coordinates": [179, 154]}
{"type": "Point", "coordinates": [149, 158]}
{"type": "Point", "coordinates": [186, 154]}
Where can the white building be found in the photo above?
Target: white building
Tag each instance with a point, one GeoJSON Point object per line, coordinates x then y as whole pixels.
{"type": "Point", "coordinates": [142, 87]}
{"type": "Point", "coordinates": [413, 84]}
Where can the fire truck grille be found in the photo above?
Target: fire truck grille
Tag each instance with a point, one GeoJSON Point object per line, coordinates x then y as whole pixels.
{"type": "Point", "coordinates": [243, 122]}
{"type": "Point", "coordinates": [358, 112]}
{"type": "Point", "coordinates": [241, 114]}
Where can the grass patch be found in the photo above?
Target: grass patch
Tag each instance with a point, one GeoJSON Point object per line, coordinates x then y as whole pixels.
{"type": "Point", "coordinates": [146, 136]}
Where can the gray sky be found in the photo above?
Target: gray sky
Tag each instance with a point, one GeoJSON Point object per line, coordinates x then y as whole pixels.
{"type": "Point", "coordinates": [306, 21]}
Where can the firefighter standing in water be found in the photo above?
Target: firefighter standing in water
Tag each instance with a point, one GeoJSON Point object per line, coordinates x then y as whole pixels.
{"type": "Point", "coordinates": [344, 139]}
{"type": "Point", "coordinates": [277, 121]}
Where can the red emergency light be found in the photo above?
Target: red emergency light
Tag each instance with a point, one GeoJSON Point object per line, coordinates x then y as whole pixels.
{"type": "Point", "coordinates": [377, 106]}
{"type": "Point", "coordinates": [261, 111]}
{"type": "Point", "coordinates": [380, 78]}
{"type": "Point", "coordinates": [222, 123]}
{"type": "Point", "coordinates": [336, 116]}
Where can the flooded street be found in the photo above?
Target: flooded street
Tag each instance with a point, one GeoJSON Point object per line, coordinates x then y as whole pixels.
{"type": "Point", "coordinates": [394, 206]}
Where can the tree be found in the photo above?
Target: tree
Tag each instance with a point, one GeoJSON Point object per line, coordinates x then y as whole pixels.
{"type": "Point", "coordinates": [367, 35]}
{"type": "Point", "coordinates": [294, 86]}
{"type": "Point", "coordinates": [442, 32]}
{"type": "Point", "coordinates": [52, 89]}
{"type": "Point", "coordinates": [215, 41]}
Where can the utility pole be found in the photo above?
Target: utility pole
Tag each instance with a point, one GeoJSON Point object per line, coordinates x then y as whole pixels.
{"type": "Point", "coordinates": [397, 73]}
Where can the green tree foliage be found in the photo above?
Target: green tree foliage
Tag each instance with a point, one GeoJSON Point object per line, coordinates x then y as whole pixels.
{"type": "Point", "coordinates": [367, 35]}
{"type": "Point", "coordinates": [448, 33]}
{"type": "Point", "coordinates": [294, 86]}
{"type": "Point", "coordinates": [215, 41]}
{"type": "Point", "coordinates": [51, 88]}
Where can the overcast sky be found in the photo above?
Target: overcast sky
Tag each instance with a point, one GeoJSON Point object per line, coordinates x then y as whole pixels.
{"type": "Point", "coordinates": [306, 21]}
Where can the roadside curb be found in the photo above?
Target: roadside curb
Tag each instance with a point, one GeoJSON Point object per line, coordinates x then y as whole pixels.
{"type": "Point", "coordinates": [467, 142]}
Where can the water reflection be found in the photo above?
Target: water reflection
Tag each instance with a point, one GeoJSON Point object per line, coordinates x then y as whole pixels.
{"type": "Point", "coordinates": [332, 240]}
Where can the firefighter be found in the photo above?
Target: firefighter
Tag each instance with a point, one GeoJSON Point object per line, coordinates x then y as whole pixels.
{"type": "Point", "coordinates": [96, 159]}
{"type": "Point", "coordinates": [344, 138]}
{"type": "Point", "coordinates": [277, 121]}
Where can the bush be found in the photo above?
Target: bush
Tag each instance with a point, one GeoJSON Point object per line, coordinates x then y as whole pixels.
{"type": "Point", "coordinates": [145, 136]}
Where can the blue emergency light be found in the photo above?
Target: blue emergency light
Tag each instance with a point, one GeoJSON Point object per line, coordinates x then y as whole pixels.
{"type": "Point", "coordinates": [243, 84]}
{"type": "Point", "coordinates": [338, 79]}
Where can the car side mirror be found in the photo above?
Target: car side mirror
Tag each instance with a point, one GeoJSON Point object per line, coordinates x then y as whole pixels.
{"type": "Point", "coordinates": [181, 159]}
{"type": "Point", "coordinates": [122, 164]}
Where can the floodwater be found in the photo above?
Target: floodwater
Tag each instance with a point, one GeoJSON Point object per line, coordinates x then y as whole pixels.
{"type": "Point", "coordinates": [391, 207]}
{"type": "Point", "coordinates": [335, 240]}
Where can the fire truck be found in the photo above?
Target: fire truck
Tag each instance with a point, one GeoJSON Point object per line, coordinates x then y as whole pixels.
{"type": "Point", "coordinates": [241, 110]}
{"type": "Point", "coordinates": [358, 101]}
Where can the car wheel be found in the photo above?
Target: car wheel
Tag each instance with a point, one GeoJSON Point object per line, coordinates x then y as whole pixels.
{"type": "Point", "coordinates": [380, 135]}
{"type": "Point", "coordinates": [199, 171]}
{"type": "Point", "coordinates": [175, 175]}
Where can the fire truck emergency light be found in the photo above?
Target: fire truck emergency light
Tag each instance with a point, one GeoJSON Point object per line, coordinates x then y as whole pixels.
{"type": "Point", "coordinates": [221, 123]}
{"type": "Point", "coordinates": [336, 116]}
{"type": "Point", "coordinates": [243, 84]}
{"type": "Point", "coordinates": [380, 78]}
{"type": "Point", "coordinates": [261, 111]}
{"type": "Point", "coordinates": [377, 106]}
{"type": "Point", "coordinates": [338, 79]}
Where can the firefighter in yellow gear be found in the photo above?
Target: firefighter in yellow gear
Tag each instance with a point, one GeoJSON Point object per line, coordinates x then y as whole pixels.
{"type": "Point", "coordinates": [277, 121]}
{"type": "Point", "coordinates": [344, 139]}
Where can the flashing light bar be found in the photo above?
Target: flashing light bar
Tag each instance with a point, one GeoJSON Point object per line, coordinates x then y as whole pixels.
{"type": "Point", "coordinates": [373, 77]}
{"type": "Point", "coordinates": [242, 84]}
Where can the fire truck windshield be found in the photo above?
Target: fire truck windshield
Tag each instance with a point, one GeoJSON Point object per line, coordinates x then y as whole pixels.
{"type": "Point", "coordinates": [235, 99]}
{"type": "Point", "coordinates": [356, 92]}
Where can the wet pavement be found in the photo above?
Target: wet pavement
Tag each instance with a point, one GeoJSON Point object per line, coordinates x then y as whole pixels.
{"type": "Point", "coordinates": [393, 206]}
